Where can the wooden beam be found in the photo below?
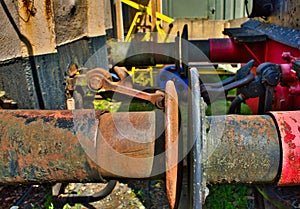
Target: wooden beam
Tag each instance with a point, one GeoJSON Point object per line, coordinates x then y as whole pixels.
{"type": "Point", "coordinates": [119, 17]}
{"type": "Point", "coordinates": [153, 19]}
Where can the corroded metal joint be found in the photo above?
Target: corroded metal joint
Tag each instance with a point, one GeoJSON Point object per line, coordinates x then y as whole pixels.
{"type": "Point", "coordinates": [95, 84]}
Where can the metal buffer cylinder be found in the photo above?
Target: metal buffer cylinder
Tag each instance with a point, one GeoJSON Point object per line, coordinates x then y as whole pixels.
{"type": "Point", "coordinates": [42, 146]}
{"type": "Point", "coordinates": [47, 146]}
{"type": "Point", "coordinates": [240, 149]}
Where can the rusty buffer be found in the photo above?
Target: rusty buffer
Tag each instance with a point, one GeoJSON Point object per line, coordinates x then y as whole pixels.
{"type": "Point", "coordinates": [240, 148]}
{"type": "Point", "coordinates": [46, 146]}
{"type": "Point", "coordinates": [246, 151]}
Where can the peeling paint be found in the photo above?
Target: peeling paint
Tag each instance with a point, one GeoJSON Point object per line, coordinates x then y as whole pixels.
{"type": "Point", "coordinates": [289, 132]}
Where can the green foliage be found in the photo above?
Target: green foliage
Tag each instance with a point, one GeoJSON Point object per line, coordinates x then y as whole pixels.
{"type": "Point", "coordinates": [48, 203]}
{"type": "Point", "coordinates": [67, 206]}
{"type": "Point", "coordinates": [136, 105]}
{"type": "Point", "coordinates": [228, 197]}
{"type": "Point", "coordinates": [221, 107]}
{"type": "Point", "coordinates": [133, 105]}
{"type": "Point", "coordinates": [138, 193]}
{"type": "Point", "coordinates": [107, 105]}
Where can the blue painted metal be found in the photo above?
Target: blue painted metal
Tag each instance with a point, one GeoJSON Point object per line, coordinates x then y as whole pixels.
{"type": "Point", "coordinates": [170, 73]}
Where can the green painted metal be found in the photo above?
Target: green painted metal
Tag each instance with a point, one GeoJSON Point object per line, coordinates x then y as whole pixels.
{"type": "Point", "coordinates": [186, 9]}
{"type": "Point", "coordinates": [206, 9]}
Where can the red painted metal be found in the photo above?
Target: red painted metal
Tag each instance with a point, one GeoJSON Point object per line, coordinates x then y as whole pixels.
{"type": "Point", "coordinates": [287, 93]}
{"type": "Point", "coordinates": [231, 51]}
{"type": "Point", "coordinates": [288, 123]}
{"type": "Point", "coordinates": [276, 50]}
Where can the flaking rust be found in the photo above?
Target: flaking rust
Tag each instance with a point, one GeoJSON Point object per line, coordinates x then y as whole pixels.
{"type": "Point", "coordinates": [40, 146]}
{"type": "Point", "coordinates": [244, 149]}
{"type": "Point", "coordinates": [44, 146]}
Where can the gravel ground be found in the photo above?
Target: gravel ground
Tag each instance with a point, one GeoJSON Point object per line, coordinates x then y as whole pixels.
{"type": "Point", "coordinates": [126, 195]}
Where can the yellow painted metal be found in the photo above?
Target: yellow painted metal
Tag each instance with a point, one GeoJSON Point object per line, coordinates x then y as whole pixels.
{"type": "Point", "coordinates": [142, 76]}
{"type": "Point", "coordinates": [144, 11]}
{"type": "Point", "coordinates": [136, 20]}
{"type": "Point", "coordinates": [147, 9]}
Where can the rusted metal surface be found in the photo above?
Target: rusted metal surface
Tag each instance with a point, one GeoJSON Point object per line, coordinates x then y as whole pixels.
{"type": "Point", "coordinates": [171, 143]}
{"type": "Point", "coordinates": [286, 14]}
{"type": "Point", "coordinates": [126, 148]}
{"type": "Point", "coordinates": [243, 149]}
{"type": "Point", "coordinates": [289, 129]}
{"type": "Point", "coordinates": [98, 79]}
{"type": "Point", "coordinates": [47, 146]}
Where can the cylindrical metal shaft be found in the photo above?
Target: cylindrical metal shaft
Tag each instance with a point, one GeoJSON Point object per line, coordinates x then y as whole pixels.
{"type": "Point", "coordinates": [65, 146]}
{"type": "Point", "coordinates": [243, 149]}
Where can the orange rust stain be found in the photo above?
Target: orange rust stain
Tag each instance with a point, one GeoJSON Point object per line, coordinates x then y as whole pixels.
{"type": "Point", "coordinates": [26, 3]}
{"type": "Point", "coordinates": [48, 9]}
{"type": "Point", "coordinates": [29, 9]}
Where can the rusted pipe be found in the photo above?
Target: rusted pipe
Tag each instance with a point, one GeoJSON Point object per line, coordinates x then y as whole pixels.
{"type": "Point", "coordinates": [243, 149]}
{"type": "Point", "coordinates": [240, 148]}
{"type": "Point", "coordinates": [257, 148]}
{"type": "Point", "coordinates": [65, 146]}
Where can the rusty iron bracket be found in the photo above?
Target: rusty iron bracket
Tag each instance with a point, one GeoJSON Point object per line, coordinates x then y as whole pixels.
{"type": "Point", "coordinates": [99, 80]}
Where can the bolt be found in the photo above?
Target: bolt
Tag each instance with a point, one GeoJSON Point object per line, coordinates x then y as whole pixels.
{"type": "Point", "coordinates": [95, 84]}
